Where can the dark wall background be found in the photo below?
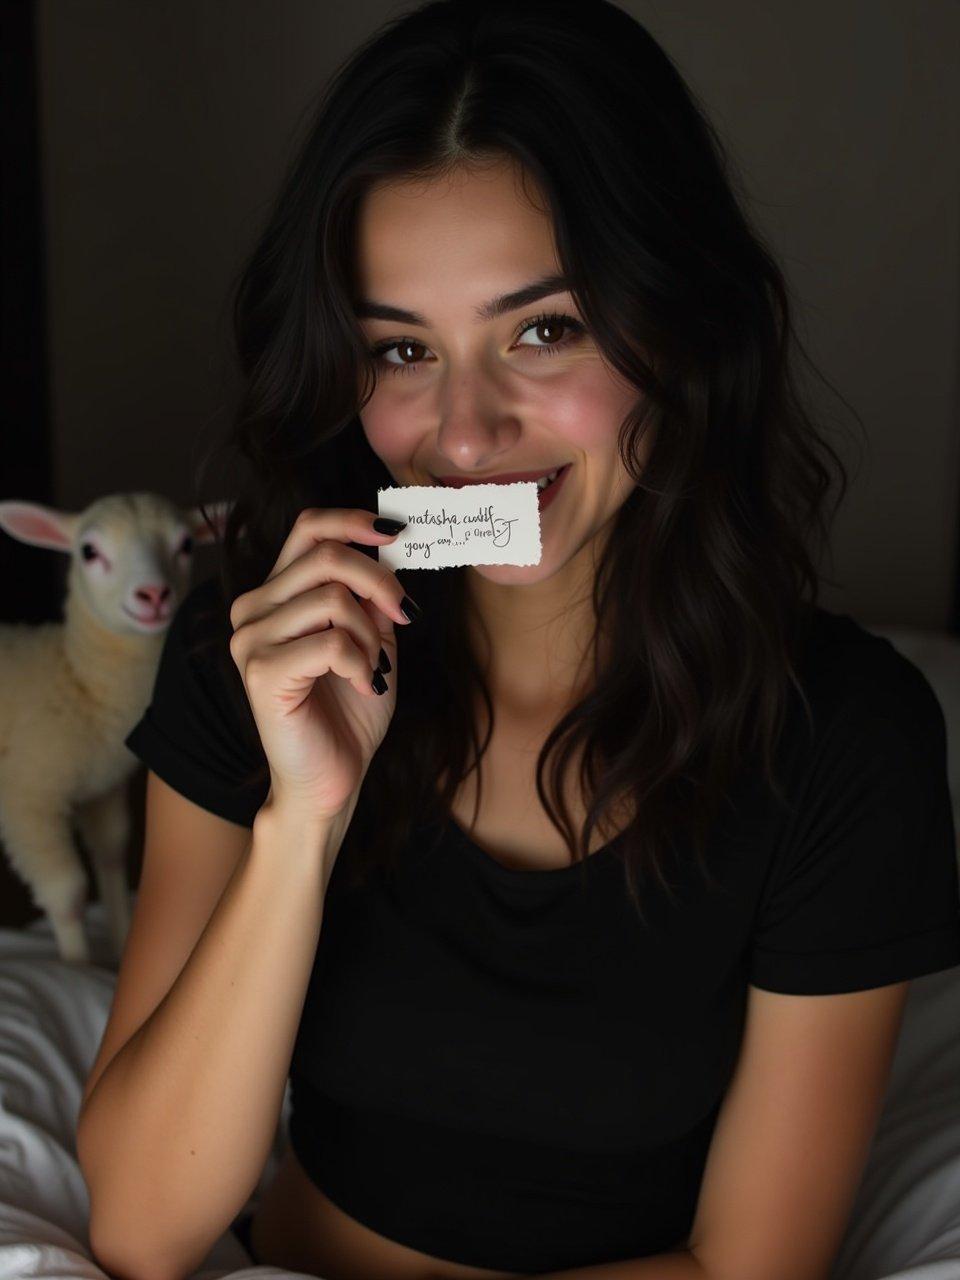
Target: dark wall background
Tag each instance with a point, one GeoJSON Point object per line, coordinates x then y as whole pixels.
{"type": "Point", "coordinates": [29, 581]}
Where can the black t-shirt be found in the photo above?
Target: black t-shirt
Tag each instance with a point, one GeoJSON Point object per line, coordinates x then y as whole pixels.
{"type": "Point", "coordinates": [506, 1068]}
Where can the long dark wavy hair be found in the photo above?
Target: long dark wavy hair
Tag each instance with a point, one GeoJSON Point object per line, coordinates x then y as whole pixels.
{"type": "Point", "coordinates": [708, 583]}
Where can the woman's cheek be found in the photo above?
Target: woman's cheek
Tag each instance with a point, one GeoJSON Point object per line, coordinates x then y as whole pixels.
{"type": "Point", "coordinates": [585, 411]}
{"type": "Point", "coordinates": [373, 421]}
{"type": "Point", "coordinates": [387, 436]}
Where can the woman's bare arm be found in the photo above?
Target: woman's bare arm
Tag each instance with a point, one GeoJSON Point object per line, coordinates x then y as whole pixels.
{"type": "Point", "coordinates": [176, 1132]}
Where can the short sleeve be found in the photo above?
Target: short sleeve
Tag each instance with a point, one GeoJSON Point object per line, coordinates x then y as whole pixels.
{"type": "Point", "coordinates": [193, 733]}
{"type": "Point", "coordinates": [864, 888]}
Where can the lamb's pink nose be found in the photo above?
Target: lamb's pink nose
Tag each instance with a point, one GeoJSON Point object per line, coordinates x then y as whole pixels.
{"type": "Point", "coordinates": [154, 596]}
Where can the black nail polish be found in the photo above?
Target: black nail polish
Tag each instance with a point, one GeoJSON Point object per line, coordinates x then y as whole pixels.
{"type": "Point", "coordinates": [383, 525]}
{"type": "Point", "coordinates": [383, 662]}
{"type": "Point", "coordinates": [378, 682]}
{"type": "Point", "coordinates": [410, 609]}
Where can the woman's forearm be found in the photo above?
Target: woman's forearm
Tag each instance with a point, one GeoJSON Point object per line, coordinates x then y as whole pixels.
{"type": "Point", "coordinates": [178, 1128]}
{"type": "Point", "coordinates": [677, 1265]}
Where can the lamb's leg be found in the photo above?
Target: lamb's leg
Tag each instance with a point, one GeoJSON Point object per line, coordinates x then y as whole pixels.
{"type": "Point", "coordinates": [104, 824]}
{"type": "Point", "coordinates": [38, 841]}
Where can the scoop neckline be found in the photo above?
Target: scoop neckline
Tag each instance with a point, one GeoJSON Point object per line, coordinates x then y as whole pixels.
{"type": "Point", "coordinates": [531, 876]}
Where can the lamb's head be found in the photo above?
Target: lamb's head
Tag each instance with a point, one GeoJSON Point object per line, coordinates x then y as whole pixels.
{"type": "Point", "coordinates": [131, 553]}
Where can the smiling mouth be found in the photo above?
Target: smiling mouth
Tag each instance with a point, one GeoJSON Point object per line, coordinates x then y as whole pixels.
{"type": "Point", "coordinates": [542, 479]}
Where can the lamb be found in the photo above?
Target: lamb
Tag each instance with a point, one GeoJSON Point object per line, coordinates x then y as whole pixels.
{"type": "Point", "coordinates": [70, 692]}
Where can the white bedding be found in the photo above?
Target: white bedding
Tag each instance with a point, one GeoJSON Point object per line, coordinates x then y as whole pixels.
{"type": "Point", "coordinates": [905, 1225]}
{"type": "Point", "coordinates": [52, 1017]}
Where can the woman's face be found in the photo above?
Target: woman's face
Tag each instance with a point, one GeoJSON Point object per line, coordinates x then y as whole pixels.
{"type": "Point", "coordinates": [478, 397]}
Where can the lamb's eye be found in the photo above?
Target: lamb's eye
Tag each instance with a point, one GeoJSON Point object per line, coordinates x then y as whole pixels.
{"type": "Point", "coordinates": [89, 551]}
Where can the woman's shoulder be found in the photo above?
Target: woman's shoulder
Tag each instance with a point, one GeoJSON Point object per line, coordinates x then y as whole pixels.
{"type": "Point", "coordinates": [204, 612]}
{"type": "Point", "coordinates": [855, 677]}
{"type": "Point", "coordinates": [198, 637]}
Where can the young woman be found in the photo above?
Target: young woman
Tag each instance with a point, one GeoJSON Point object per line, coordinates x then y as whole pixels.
{"type": "Point", "coordinates": [578, 901]}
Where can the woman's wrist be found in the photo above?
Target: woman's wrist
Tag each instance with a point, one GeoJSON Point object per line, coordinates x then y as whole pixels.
{"type": "Point", "coordinates": [304, 832]}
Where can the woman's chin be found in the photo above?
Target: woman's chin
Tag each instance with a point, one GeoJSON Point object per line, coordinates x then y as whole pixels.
{"type": "Point", "coordinates": [517, 575]}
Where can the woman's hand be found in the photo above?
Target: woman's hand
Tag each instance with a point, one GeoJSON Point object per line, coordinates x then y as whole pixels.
{"type": "Point", "coordinates": [307, 651]}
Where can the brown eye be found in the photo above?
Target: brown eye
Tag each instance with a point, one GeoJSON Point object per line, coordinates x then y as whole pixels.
{"type": "Point", "coordinates": [551, 327]}
{"type": "Point", "coordinates": [404, 345]}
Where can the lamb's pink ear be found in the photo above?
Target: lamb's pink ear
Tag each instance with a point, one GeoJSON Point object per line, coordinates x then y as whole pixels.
{"type": "Point", "coordinates": [200, 529]}
{"type": "Point", "coordinates": [38, 525]}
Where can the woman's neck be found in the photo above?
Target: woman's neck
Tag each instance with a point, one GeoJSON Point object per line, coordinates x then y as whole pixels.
{"type": "Point", "coordinates": [534, 642]}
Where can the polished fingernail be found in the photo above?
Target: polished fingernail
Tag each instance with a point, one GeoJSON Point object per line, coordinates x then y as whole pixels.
{"type": "Point", "coordinates": [383, 662]}
{"type": "Point", "coordinates": [378, 682]}
{"type": "Point", "coordinates": [410, 609]}
{"type": "Point", "coordinates": [383, 525]}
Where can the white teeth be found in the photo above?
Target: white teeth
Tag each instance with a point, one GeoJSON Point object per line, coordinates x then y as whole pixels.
{"type": "Point", "coordinates": [545, 480]}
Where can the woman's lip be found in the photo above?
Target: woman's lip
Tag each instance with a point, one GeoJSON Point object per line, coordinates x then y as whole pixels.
{"type": "Point", "coordinates": [510, 477]}
{"type": "Point", "coordinates": [547, 495]}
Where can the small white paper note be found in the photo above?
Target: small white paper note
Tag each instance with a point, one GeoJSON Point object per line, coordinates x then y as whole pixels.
{"type": "Point", "coordinates": [475, 524]}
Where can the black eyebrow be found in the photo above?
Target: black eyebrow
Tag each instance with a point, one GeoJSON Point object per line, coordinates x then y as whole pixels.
{"type": "Point", "coordinates": [366, 309]}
